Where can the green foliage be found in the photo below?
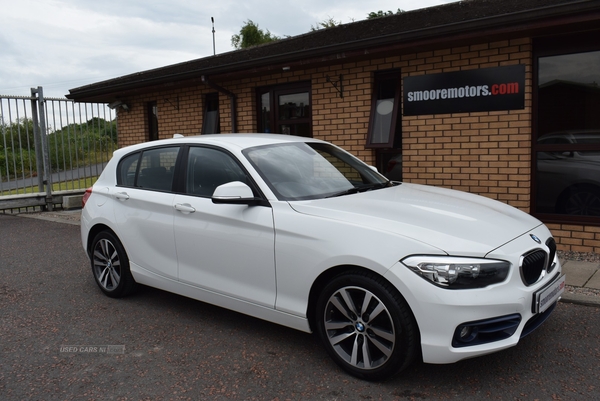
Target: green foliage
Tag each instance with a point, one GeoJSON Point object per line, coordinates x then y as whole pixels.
{"type": "Point", "coordinates": [380, 14]}
{"type": "Point", "coordinates": [250, 35]}
{"type": "Point", "coordinates": [16, 148]}
{"type": "Point", "coordinates": [70, 147]}
{"type": "Point", "coordinates": [18, 163]}
{"type": "Point", "coordinates": [328, 23]}
{"type": "Point", "coordinates": [56, 186]}
{"type": "Point", "coordinates": [17, 135]}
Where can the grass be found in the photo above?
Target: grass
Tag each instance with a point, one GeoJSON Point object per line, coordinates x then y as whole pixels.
{"type": "Point", "coordinates": [82, 183]}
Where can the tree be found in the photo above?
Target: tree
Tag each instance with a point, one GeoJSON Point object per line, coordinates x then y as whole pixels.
{"type": "Point", "coordinates": [380, 13]}
{"type": "Point", "coordinates": [17, 135]}
{"type": "Point", "coordinates": [328, 23]}
{"type": "Point", "coordinates": [250, 35]}
{"type": "Point", "coordinates": [71, 146]}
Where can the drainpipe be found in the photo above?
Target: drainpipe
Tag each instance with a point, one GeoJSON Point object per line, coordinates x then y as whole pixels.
{"type": "Point", "coordinates": [231, 96]}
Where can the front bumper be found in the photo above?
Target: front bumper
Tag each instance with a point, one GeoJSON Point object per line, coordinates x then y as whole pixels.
{"type": "Point", "coordinates": [505, 312]}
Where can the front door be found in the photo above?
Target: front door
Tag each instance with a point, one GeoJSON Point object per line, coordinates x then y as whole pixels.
{"type": "Point", "coordinates": [228, 249]}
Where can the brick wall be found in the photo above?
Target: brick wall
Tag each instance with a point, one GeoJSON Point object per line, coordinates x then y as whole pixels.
{"type": "Point", "coordinates": [179, 112]}
{"type": "Point", "coordinates": [487, 153]}
{"type": "Point", "coordinates": [571, 237]}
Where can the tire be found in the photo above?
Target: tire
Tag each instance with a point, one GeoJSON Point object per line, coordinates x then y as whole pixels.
{"type": "Point", "coordinates": [368, 346]}
{"type": "Point", "coordinates": [110, 266]}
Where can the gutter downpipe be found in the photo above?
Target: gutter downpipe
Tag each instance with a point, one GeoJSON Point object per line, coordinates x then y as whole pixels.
{"type": "Point", "coordinates": [231, 96]}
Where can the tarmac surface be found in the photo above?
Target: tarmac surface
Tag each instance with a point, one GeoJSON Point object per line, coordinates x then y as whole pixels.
{"type": "Point", "coordinates": [583, 276]}
{"type": "Point", "coordinates": [63, 339]}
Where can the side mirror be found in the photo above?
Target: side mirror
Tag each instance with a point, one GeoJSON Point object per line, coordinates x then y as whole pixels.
{"type": "Point", "coordinates": [235, 193]}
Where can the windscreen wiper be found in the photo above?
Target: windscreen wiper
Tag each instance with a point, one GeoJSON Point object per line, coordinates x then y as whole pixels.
{"type": "Point", "coordinates": [362, 188]}
{"type": "Point", "coordinates": [350, 191]}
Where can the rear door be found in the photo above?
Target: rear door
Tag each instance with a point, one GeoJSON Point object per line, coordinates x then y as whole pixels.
{"type": "Point", "coordinates": [143, 209]}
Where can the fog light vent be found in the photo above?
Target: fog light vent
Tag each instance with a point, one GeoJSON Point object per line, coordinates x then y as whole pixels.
{"type": "Point", "coordinates": [485, 331]}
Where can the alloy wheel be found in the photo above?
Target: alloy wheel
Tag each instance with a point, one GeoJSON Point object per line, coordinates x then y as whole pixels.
{"type": "Point", "coordinates": [359, 327]}
{"type": "Point", "coordinates": [107, 265]}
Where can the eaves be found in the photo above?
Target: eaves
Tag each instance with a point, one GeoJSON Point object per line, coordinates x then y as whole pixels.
{"type": "Point", "coordinates": [577, 15]}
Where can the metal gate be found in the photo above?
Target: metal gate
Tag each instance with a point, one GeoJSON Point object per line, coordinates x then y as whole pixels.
{"type": "Point", "coordinates": [50, 148]}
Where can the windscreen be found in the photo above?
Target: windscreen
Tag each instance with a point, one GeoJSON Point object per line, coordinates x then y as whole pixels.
{"type": "Point", "coordinates": [301, 171]}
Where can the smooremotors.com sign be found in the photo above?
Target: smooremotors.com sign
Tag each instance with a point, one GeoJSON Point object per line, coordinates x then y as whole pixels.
{"type": "Point", "coordinates": [486, 89]}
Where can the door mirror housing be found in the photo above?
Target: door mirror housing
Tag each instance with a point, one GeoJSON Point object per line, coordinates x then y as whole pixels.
{"type": "Point", "coordinates": [235, 193]}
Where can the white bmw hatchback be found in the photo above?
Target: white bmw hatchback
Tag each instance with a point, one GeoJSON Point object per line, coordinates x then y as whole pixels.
{"type": "Point", "coordinates": [299, 232]}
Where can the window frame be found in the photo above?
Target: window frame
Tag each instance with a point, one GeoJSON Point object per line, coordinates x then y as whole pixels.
{"type": "Point", "coordinates": [274, 92]}
{"type": "Point", "coordinates": [547, 47]}
{"type": "Point", "coordinates": [396, 122]}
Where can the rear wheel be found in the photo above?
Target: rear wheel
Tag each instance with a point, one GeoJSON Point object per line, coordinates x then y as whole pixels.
{"type": "Point", "coordinates": [366, 326]}
{"type": "Point", "coordinates": [110, 266]}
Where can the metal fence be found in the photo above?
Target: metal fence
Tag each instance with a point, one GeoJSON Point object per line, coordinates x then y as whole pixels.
{"type": "Point", "coordinates": [50, 147]}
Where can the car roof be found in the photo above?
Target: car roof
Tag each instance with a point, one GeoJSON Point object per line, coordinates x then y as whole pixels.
{"type": "Point", "coordinates": [240, 141]}
{"type": "Point", "coordinates": [582, 133]}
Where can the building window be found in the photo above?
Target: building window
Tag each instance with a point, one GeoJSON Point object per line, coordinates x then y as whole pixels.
{"type": "Point", "coordinates": [152, 112]}
{"type": "Point", "coordinates": [285, 110]}
{"type": "Point", "coordinates": [566, 147]}
{"type": "Point", "coordinates": [385, 124]}
{"type": "Point", "coordinates": [210, 123]}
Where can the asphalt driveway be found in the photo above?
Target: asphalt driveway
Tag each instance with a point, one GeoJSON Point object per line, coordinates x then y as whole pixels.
{"type": "Point", "coordinates": [62, 339]}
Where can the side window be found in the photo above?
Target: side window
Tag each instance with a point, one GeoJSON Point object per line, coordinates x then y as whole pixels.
{"type": "Point", "coordinates": [156, 169]}
{"type": "Point", "coordinates": [208, 168]}
{"type": "Point", "coordinates": [126, 170]}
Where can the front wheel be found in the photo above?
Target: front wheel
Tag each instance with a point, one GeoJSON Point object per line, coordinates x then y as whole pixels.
{"type": "Point", "coordinates": [110, 266]}
{"type": "Point", "coordinates": [366, 326]}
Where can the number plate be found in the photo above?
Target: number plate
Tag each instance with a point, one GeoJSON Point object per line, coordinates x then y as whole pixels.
{"type": "Point", "coordinates": [545, 298]}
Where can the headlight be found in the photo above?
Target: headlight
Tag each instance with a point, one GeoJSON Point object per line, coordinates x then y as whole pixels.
{"type": "Point", "coordinates": [458, 273]}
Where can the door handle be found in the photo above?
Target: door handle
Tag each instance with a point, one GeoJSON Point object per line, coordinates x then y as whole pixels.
{"type": "Point", "coordinates": [122, 196]}
{"type": "Point", "coordinates": [184, 208]}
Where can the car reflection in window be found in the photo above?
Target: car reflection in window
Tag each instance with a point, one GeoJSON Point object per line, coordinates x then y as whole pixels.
{"type": "Point", "coordinates": [568, 182]}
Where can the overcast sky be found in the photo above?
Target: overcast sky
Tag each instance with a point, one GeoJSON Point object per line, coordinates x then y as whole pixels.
{"type": "Point", "coordinates": [65, 44]}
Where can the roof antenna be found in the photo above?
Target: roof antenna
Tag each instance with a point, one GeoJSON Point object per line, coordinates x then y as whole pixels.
{"type": "Point", "coordinates": [213, 32]}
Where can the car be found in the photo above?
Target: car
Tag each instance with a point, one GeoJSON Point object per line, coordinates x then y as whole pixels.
{"type": "Point", "coordinates": [569, 180]}
{"type": "Point", "coordinates": [299, 232]}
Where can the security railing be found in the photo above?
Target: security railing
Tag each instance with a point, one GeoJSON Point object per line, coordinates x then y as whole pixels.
{"type": "Point", "coordinates": [50, 147]}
